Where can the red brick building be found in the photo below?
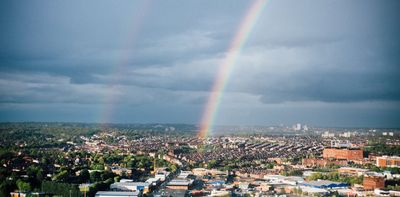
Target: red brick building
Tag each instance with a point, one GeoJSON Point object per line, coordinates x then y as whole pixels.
{"type": "Point", "coordinates": [373, 182]}
{"type": "Point", "coordinates": [339, 153]}
{"type": "Point", "coordinates": [312, 162]}
{"type": "Point", "coordinates": [386, 161]}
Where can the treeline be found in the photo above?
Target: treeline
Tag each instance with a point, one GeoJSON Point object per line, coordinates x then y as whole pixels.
{"type": "Point", "coordinates": [335, 176]}
{"type": "Point", "coordinates": [61, 189]}
{"type": "Point", "coordinates": [383, 149]}
{"type": "Point", "coordinates": [73, 190]}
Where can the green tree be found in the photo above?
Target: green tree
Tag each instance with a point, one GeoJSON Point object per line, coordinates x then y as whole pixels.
{"type": "Point", "coordinates": [84, 176]}
{"type": "Point", "coordinates": [23, 186]}
{"type": "Point", "coordinates": [6, 187]}
{"type": "Point", "coordinates": [212, 164]}
{"type": "Point", "coordinates": [95, 176]}
{"type": "Point", "coordinates": [117, 179]}
{"type": "Point", "coordinates": [61, 176]}
{"type": "Point", "coordinates": [172, 167]}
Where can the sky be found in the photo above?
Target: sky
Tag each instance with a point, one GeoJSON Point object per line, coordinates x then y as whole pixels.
{"type": "Point", "coordinates": [323, 63]}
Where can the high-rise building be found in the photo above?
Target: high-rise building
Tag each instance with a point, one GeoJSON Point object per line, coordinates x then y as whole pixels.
{"type": "Point", "coordinates": [297, 127]}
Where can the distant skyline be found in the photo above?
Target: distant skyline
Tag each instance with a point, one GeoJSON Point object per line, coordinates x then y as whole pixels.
{"type": "Point", "coordinates": [324, 63]}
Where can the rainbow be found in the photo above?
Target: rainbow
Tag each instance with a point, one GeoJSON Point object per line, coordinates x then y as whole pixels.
{"type": "Point", "coordinates": [226, 66]}
{"type": "Point", "coordinates": [113, 88]}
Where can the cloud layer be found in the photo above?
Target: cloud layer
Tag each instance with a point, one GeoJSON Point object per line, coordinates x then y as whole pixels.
{"type": "Point", "coordinates": [146, 61]}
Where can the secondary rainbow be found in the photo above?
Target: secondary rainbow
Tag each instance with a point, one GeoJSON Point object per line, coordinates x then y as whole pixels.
{"type": "Point", "coordinates": [113, 88]}
{"type": "Point", "coordinates": [226, 66]}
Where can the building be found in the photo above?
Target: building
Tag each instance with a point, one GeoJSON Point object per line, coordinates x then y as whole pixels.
{"type": "Point", "coordinates": [130, 186]}
{"type": "Point", "coordinates": [172, 192]}
{"type": "Point", "coordinates": [352, 171]}
{"type": "Point", "coordinates": [179, 184]}
{"type": "Point", "coordinates": [121, 171]}
{"type": "Point", "coordinates": [346, 134]}
{"type": "Point", "coordinates": [387, 161]}
{"type": "Point", "coordinates": [343, 153]}
{"type": "Point", "coordinates": [184, 174]}
{"type": "Point", "coordinates": [289, 180]}
{"type": "Point", "coordinates": [25, 194]}
{"type": "Point", "coordinates": [326, 134]}
{"type": "Point", "coordinates": [153, 181]}
{"type": "Point", "coordinates": [340, 143]}
{"type": "Point", "coordinates": [312, 162]}
{"type": "Point", "coordinates": [162, 174]}
{"type": "Point", "coordinates": [172, 159]}
{"type": "Point", "coordinates": [297, 127]}
{"type": "Point", "coordinates": [215, 172]}
{"type": "Point", "coordinates": [372, 182]}
{"type": "Point", "coordinates": [200, 171]}
{"type": "Point", "coordinates": [117, 194]}
{"type": "Point", "coordinates": [314, 191]}
{"type": "Point", "coordinates": [216, 184]}
{"type": "Point", "coordinates": [265, 187]}
{"type": "Point", "coordinates": [220, 193]}
{"type": "Point", "coordinates": [324, 184]}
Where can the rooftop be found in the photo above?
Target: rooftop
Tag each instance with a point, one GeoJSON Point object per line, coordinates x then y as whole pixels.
{"type": "Point", "coordinates": [112, 193]}
{"type": "Point", "coordinates": [180, 182]}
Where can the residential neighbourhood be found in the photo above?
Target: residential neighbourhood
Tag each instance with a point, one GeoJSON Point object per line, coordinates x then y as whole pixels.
{"type": "Point", "coordinates": [122, 162]}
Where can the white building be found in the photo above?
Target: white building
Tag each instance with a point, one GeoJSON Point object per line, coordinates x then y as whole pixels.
{"type": "Point", "coordinates": [184, 174]}
{"type": "Point", "coordinates": [162, 175]}
{"type": "Point", "coordinates": [117, 194]}
{"type": "Point", "coordinates": [153, 181]}
{"type": "Point", "coordinates": [326, 134]}
{"type": "Point", "coordinates": [297, 127]}
{"type": "Point", "coordinates": [130, 186]}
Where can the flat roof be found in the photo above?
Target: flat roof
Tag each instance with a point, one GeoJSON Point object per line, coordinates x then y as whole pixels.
{"type": "Point", "coordinates": [179, 182]}
{"type": "Point", "coordinates": [351, 168]}
{"type": "Point", "coordinates": [152, 179]}
{"type": "Point", "coordinates": [132, 183]}
{"type": "Point", "coordinates": [321, 183]}
{"type": "Point", "coordinates": [313, 190]}
{"type": "Point", "coordinates": [113, 193]}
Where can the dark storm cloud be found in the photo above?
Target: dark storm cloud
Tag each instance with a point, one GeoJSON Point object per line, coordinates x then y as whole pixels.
{"type": "Point", "coordinates": [83, 39]}
{"type": "Point", "coordinates": [337, 87]}
{"type": "Point", "coordinates": [315, 54]}
{"type": "Point", "coordinates": [162, 56]}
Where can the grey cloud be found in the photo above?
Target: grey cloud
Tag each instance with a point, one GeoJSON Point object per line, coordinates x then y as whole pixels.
{"type": "Point", "coordinates": [157, 57]}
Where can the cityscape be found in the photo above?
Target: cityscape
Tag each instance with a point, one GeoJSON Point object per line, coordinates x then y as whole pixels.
{"type": "Point", "coordinates": [182, 98]}
{"type": "Point", "coordinates": [78, 159]}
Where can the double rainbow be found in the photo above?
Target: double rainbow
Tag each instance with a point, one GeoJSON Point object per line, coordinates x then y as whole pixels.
{"type": "Point", "coordinates": [226, 66]}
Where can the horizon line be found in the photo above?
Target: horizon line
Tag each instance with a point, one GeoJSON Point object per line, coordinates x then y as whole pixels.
{"type": "Point", "coordinates": [218, 125]}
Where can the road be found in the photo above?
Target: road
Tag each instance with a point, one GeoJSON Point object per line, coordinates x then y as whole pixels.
{"type": "Point", "coordinates": [162, 186]}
